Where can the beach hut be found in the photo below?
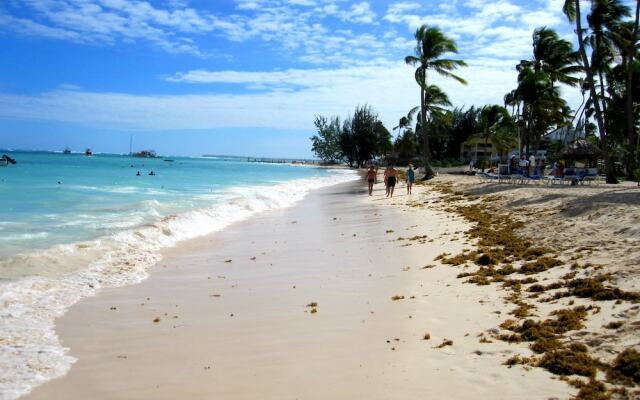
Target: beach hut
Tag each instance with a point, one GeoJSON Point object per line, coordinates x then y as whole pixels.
{"type": "Point", "coordinates": [581, 150]}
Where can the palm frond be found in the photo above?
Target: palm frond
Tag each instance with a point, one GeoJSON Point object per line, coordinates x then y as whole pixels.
{"type": "Point", "coordinates": [448, 74]}
{"type": "Point", "coordinates": [569, 9]}
{"type": "Point", "coordinates": [411, 60]}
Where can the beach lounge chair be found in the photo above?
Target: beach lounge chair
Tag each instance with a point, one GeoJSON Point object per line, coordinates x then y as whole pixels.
{"type": "Point", "coordinates": [487, 177]}
{"type": "Point", "coordinates": [591, 178]}
{"type": "Point", "coordinates": [551, 179]}
{"type": "Point", "coordinates": [531, 179]}
{"type": "Point", "coordinates": [588, 176]}
{"type": "Point", "coordinates": [504, 174]}
{"type": "Point", "coordinates": [570, 180]}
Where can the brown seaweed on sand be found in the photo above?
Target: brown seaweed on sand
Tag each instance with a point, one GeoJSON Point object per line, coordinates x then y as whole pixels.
{"type": "Point", "coordinates": [445, 343]}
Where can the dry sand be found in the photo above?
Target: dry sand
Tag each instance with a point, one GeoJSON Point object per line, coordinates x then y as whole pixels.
{"type": "Point", "coordinates": [587, 224]}
{"type": "Point", "coordinates": [233, 327]}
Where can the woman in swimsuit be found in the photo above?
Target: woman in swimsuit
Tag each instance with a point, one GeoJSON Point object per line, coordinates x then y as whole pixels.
{"type": "Point", "coordinates": [411, 177]}
{"type": "Point", "coordinates": [371, 178]}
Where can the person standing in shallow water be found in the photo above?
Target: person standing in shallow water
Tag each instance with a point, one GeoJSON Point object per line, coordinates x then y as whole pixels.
{"type": "Point", "coordinates": [371, 178]}
{"type": "Point", "coordinates": [390, 179]}
{"type": "Point", "coordinates": [411, 177]}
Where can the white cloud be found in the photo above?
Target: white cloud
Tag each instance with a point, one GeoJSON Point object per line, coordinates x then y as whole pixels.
{"type": "Point", "coordinates": [499, 28]}
{"type": "Point", "coordinates": [352, 62]}
{"type": "Point", "coordinates": [397, 12]}
{"type": "Point", "coordinates": [112, 21]}
{"type": "Point", "coordinates": [360, 13]}
{"type": "Point", "coordinates": [30, 28]}
{"type": "Point", "coordinates": [288, 26]}
{"type": "Point", "coordinates": [288, 99]}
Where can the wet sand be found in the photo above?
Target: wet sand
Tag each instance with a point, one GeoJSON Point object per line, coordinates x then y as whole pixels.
{"type": "Point", "coordinates": [231, 326]}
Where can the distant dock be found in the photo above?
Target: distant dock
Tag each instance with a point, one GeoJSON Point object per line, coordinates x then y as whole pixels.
{"type": "Point", "coordinates": [266, 160]}
{"type": "Point", "coordinates": [283, 161]}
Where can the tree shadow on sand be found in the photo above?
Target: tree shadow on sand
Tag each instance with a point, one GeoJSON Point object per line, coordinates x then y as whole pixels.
{"type": "Point", "coordinates": [576, 200]}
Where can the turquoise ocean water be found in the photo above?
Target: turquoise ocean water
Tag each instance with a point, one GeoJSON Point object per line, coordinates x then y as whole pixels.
{"type": "Point", "coordinates": [70, 224]}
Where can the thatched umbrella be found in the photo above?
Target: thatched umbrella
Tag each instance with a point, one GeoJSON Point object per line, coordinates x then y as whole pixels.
{"type": "Point", "coordinates": [581, 149]}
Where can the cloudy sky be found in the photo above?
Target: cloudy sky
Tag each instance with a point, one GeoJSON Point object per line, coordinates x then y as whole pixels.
{"type": "Point", "coordinates": [237, 76]}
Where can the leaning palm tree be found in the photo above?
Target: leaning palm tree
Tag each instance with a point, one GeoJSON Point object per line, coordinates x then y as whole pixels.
{"type": "Point", "coordinates": [431, 45]}
{"type": "Point", "coordinates": [604, 14]}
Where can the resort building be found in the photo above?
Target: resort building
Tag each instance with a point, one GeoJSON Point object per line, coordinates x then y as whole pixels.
{"type": "Point", "coordinates": [477, 149]}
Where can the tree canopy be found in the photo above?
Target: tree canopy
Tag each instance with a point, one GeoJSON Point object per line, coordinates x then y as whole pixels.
{"type": "Point", "coordinates": [360, 138]}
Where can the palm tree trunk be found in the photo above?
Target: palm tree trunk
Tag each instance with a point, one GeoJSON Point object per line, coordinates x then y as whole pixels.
{"type": "Point", "coordinates": [530, 133]}
{"type": "Point", "coordinates": [603, 97]}
{"type": "Point", "coordinates": [632, 162]}
{"type": "Point", "coordinates": [519, 127]}
{"type": "Point", "coordinates": [486, 142]}
{"type": "Point", "coordinates": [611, 178]}
{"type": "Point", "coordinates": [428, 170]}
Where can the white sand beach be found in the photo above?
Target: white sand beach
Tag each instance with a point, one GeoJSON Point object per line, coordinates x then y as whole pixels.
{"type": "Point", "coordinates": [233, 321]}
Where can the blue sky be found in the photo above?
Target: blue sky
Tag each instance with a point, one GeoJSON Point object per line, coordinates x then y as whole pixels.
{"type": "Point", "coordinates": [237, 76]}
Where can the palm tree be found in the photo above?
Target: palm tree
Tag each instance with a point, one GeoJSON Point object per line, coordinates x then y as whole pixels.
{"type": "Point", "coordinates": [604, 14]}
{"type": "Point", "coordinates": [406, 121]}
{"type": "Point", "coordinates": [431, 45]}
{"type": "Point", "coordinates": [436, 101]}
{"type": "Point", "coordinates": [539, 105]}
{"type": "Point", "coordinates": [625, 38]}
{"type": "Point", "coordinates": [504, 140]}
{"type": "Point", "coordinates": [494, 119]}
{"type": "Point", "coordinates": [555, 57]}
{"type": "Point", "coordinates": [512, 100]}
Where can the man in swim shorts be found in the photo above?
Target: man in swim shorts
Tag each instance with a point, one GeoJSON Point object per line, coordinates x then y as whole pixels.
{"type": "Point", "coordinates": [371, 178]}
{"type": "Point", "coordinates": [391, 176]}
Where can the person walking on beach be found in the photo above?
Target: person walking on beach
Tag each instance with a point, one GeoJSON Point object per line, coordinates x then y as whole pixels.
{"type": "Point", "coordinates": [524, 165]}
{"type": "Point", "coordinates": [411, 177]}
{"type": "Point", "coordinates": [385, 177]}
{"type": "Point", "coordinates": [390, 178]}
{"type": "Point", "coordinates": [371, 178]}
{"type": "Point", "coordinates": [532, 165]}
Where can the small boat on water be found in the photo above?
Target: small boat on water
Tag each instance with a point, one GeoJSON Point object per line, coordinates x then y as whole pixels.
{"type": "Point", "coordinates": [67, 151]}
{"type": "Point", "coordinates": [145, 154]}
{"type": "Point", "coordinates": [88, 152]}
{"type": "Point", "coordinates": [6, 160]}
